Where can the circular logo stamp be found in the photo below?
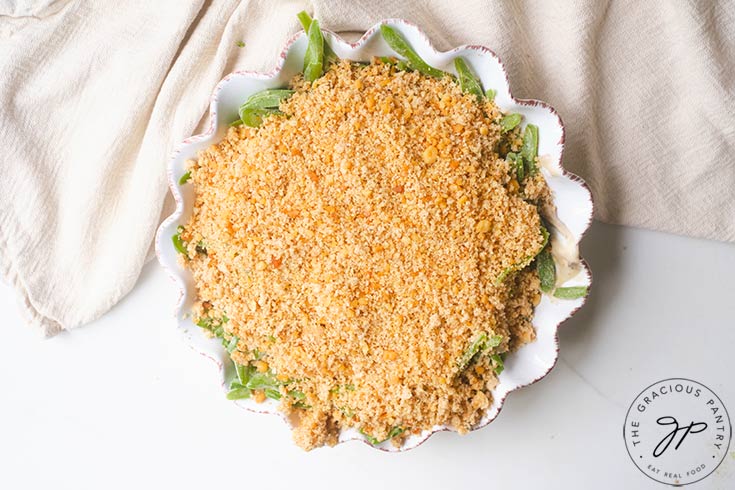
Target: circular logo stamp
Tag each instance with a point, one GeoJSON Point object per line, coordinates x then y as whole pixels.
{"type": "Point", "coordinates": [677, 431]}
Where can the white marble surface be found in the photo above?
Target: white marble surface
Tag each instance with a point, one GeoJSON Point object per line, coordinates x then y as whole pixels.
{"type": "Point", "coordinates": [123, 403]}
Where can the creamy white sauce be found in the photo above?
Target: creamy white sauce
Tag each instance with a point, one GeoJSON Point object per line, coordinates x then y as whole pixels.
{"type": "Point", "coordinates": [565, 252]}
{"type": "Point", "coordinates": [547, 163]}
{"type": "Point", "coordinates": [564, 248]}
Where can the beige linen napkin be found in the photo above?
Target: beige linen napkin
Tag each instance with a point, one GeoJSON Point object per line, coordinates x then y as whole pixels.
{"type": "Point", "coordinates": [94, 96]}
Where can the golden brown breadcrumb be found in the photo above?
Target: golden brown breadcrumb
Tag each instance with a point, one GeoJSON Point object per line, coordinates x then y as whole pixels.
{"type": "Point", "coordinates": [361, 243]}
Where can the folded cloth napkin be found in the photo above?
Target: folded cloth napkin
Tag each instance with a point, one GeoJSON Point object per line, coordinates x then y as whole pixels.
{"type": "Point", "coordinates": [95, 95]}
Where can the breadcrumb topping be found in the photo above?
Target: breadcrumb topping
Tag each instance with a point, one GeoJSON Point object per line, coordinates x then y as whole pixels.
{"type": "Point", "coordinates": [360, 243]}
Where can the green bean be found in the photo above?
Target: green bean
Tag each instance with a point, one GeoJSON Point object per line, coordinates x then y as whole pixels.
{"type": "Point", "coordinates": [529, 148]}
{"type": "Point", "coordinates": [238, 391]}
{"type": "Point", "coordinates": [272, 393]}
{"type": "Point", "coordinates": [248, 380]}
{"type": "Point", "coordinates": [497, 361]}
{"type": "Point", "coordinates": [401, 65]}
{"type": "Point", "coordinates": [372, 440]}
{"type": "Point", "coordinates": [232, 344]}
{"type": "Point", "coordinates": [306, 20]}
{"type": "Point", "coordinates": [545, 235]}
{"type": "Point", "coordinates": [395, 431]}
{"type": "Point", "coordinates": [262, 104]}
{"type": "Point", "coordinates": [476, 346]}
{"type": "Point", "coordinates": [510, 121]}
{"type": "Point", "coordinates": [260, 381]}
{"type": "Point", "coordinates": [514, 268]}
{"type": "Point", "coordinates": [572, 292]}
{"type": "Point", "coordinates": [481, 344]}
{"type": "Point", "coordinates": [227, 340]}
{"type": "Point", "coordinates": [185, 178]}
{"type": "Point", "coordinates": [518, 166]}
{"type": "Point", "coordinates": [314, 57]}
{"type": "Point", "coordinates": [254, 117]}
{"type": "Point", "coordinates": [299, 395]}
{"type": "Point", "coordinates": [179, 244]}
{"type": "Point", "coordinates": [546, 270]}
{"type": "Point", "coordinates": [400, 46]}
{"type": "Point", "coordinates": [215, 326]}
{"type": "Point", "coordinates": [468, 82]}
{"type": "Point", "coordinates": [347, 387]}
{"type": "Point", "coordinates": [491, 93]}
{"type": "Point", "coordinates": [267, 99]}
{"type": "Point", "coordinates": [494, 341]}
{"type": "Point", "coordinates": [244, 372]}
